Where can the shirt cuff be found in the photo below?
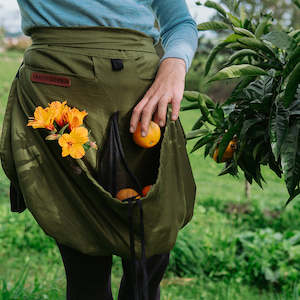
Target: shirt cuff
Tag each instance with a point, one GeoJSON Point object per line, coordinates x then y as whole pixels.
{"type": "Point", "coordinates": [184, 52]}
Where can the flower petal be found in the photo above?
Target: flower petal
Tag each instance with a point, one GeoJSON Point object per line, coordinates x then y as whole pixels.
{"type": "Point", "coordinates": [79, 135]}
{"type": "Point", "coordinates": [64, 140]}
{"type": "Point", "coordinates": [77, 151]}
{"type": "Point", "coordinates": [75, 117]}
{"type": "Point", "coordinates": [65, 151]}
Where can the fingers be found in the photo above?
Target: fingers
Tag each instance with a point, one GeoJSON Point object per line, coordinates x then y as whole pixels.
{"type": "Point", "coordinates": [145, 109]}
{"type": "Point", "coordinates": [145, 116]}
{"type": "Point", "coordinates": [136, 113]}
{"type": "Point", "coordinates": [176, 106]}
{"type": "Point", "coordinates": [167, 87]}
{"type": "Point", "coordinates": [162, 110]}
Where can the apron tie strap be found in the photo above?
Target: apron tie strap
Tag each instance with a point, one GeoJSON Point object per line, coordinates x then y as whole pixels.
{"type": "Point", "coordinates": [136, 292]}
{"type": "Point", "coordinates": [143, 258]}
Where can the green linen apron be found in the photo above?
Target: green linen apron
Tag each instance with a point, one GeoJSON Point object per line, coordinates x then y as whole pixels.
{"type": "Point", "coordinates": [62, 193]}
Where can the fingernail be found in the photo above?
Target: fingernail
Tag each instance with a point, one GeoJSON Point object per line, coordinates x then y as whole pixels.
{"type": "Point", "coordinates": [161, 123]}
{"type": "Point", "coordinates": [143, 133]}
{"type": "Point", "coordinates": [131, 129]}
{"type": "Point", "coordinates": [173, 117]}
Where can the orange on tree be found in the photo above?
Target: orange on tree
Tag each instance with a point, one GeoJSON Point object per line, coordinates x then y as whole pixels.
{"type": "Point", "coordinates": [125, 193]}
{"type": "Point", "coordinates": [228, 154]}
{"type": "Point", "coordinates": [151, 139]}
{"type": "Point", "coordinates": [146, 189]}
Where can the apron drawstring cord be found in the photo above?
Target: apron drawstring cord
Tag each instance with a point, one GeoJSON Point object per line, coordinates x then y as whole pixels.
{"type": "Point", "coordinates": [136, 293]}
{"type": "Point", "coordinates": [143, 258]}
{"type": "Point", "coordinates": [132, 250]}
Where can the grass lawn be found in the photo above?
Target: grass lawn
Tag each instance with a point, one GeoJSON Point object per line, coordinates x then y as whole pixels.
{"type": "Point", "coordinates": [31, 268]}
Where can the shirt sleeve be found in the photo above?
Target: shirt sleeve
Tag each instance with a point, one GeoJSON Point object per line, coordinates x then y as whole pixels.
{"type": "Point", "coordinates": [178, 30]}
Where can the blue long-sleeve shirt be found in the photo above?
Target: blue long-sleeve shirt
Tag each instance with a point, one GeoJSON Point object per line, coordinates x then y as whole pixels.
{"type": "Point", "coordinates": [178, 30]}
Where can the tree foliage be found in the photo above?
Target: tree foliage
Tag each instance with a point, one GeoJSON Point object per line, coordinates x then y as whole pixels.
{"type": "Point", "coordinates": [284, 12]}
{"type": "Point", "coordinates": [263, 112]}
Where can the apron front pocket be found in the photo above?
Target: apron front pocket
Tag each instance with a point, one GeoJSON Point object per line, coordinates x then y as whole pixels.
{"type": "Point", "coordinates": [60, 63]}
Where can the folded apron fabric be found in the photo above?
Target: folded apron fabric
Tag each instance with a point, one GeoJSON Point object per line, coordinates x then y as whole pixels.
{"type": "Point", "coordinates": [101, 70]}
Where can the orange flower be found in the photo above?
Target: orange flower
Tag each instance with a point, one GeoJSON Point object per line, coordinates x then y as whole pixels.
{"type": "Point", "coordinates": [43, 118]}
{"type": "Point", "coordinates": [72, 143]}
{"type": "Point", "coordinates": [75, 117]}
{"type": "Point", "coordinates": [60, 110]}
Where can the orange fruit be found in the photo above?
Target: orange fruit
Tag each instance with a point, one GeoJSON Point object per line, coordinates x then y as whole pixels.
{"type": "Point", "coordinates": [151, 139]}
{"type": "Point", "coordinates": [146, 189]}
{"type": "Point", "coordinates": [228, 154]}
{"type": "Point", "coordinates": [125, 193]}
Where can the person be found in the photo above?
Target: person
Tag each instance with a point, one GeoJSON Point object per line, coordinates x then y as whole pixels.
{"type": "Point", "coordinates": [88, 45]}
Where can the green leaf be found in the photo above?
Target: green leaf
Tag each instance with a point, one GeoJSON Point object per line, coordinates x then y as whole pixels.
{"type": "Point", "coordinates": [234, 20]}
{"type": "Point", "coordinates": [294, 33]}
{"type": "Point", "coordinates": [237, 71]}
{"type": "Point", "coordinates": [270, 65]}
{"type": "Point", "coordinates": [230, 168]}
{"type": "Point", "coordinates": [297, 3]}
{"type": "Point", "coordinates": [203, 141]}
{"type": "Point", "coordinates": [196, 133]}
{"type": "Point", "coordinates": [295, 194]}
{"type": "Point", "coordinates": [228, 109]}
{"type": "Point", "coordinates": [275, 166]}
{"type": "Point", "coordinates": [62, 130]}
{"type": "Point", "coordinates": [293, 61]}
{"type": "Point", "coordinates": [256, 45]}
{"type": "Point", "coordinates": [204, 110]}
{"type": "Point", "coordinates": [209, 147]}
{"type": "Point", "coordinates": [279, 39]}
{"type": "Point", "coordinates": [212, 25]}
{"type": "Point", "coordinates": [250, 167]}
{"type": "Point", "coordinates": [279, 126]}
{"type": "Point", "coordinates": [230, 4]}
{"type": "Point", "coordinates": [290, 158]}
{"type": "Point", "coordinates": [292, 85]}
{"type": "Point", "coordinates": [208, 101]}
{"type": "Point", "coordinates": [240, 54]}
{"type": "Point", "coordinates": [191, 96]}
{"type": "Point", "coordinates": [294, 108]}
{"type": "Point", "coordinates": [230, 39]}
{"type": "Point", "coordinates": [236, 4]}
{"type": "Point", "coordinates": [236, 93]}
{"type": "Point", "coordinates": [217, 7]}
{"type": "Point", "coordinates": [257, 149]}
{"type": "Point", "coordinates": [247, 124]}
{"type": "Point", "coordinates": [190, 107]}
{"type": "Point", "coordinates": [243, 31]}
{"type": "Point", "coordinates": [218, 115]}
{"type": "Point", "coordinates": [243, 15]}
{"type": "Point", "coordinates": [237, 46]}
{"type": "Point", "coordinates": [86, 146]}
{"type": "Point", "coordinates": [260, 29]}
{"type": "Point", "coordinates": [199, 123]}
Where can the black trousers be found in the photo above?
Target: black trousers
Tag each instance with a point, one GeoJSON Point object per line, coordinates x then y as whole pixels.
{"type": "Point", "coordinates": [89, 277]}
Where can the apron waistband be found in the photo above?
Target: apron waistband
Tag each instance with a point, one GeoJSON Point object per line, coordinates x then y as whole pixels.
{"type": "Point", "coordinates": [100, 37]}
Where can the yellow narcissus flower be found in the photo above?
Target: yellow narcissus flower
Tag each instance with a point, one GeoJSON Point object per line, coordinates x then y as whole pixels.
{"type": "Point", "coordinates": [43, 118]}
{"type": "Point", "coordinates": [75, 117]}
{"type": "Point", "coordinates": [72, 143]}
{"type": "Point", "coordinates": [60, 109]}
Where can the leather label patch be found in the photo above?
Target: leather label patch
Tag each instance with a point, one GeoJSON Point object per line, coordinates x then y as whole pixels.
{"type": "Point", "coordinates": [50, 79]}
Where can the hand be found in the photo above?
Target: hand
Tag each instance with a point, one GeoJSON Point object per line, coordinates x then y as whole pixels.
{"type": "Point", "coordinates": [168, 87]}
